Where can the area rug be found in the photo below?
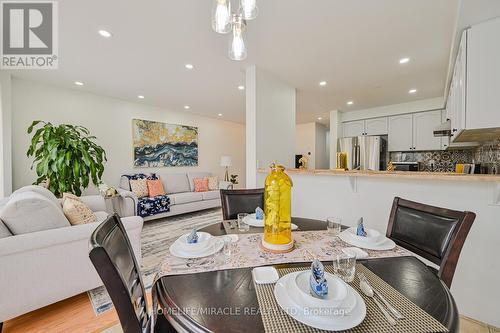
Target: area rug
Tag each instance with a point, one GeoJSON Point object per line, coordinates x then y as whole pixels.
{"type": "Point", "coordinates": [156, 237]}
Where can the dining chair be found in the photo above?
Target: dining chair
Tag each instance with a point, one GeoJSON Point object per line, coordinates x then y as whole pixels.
{"type": "Point", "coordinates": [113, 257]}
{"type": "Point", "coordinates": [240, 201]}
{"type": "Point", "coordinates": [434, 233]}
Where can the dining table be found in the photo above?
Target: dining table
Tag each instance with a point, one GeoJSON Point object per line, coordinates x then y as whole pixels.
{"type": "Point", "coordinates": [232, 295]}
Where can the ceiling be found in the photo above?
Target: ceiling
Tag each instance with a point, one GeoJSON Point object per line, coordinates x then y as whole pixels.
{"type": "Point", "coordinates": [354, 45]}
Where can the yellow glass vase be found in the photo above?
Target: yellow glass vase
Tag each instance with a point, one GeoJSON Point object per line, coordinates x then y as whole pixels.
{"type": "Point", "coordinates": [278, 210]}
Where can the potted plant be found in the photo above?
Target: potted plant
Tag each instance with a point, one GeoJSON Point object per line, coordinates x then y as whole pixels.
{"type": "Point", "coordinates": [66, 157]}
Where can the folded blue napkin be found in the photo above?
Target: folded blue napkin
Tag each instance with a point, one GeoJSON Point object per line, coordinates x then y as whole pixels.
{"type": "Point", "coordinates": [192, 238]}
{"type": "Point", "coordinates": [317, 281]}
{"type": "Point", "coordinates": [259, 213]}
{"type": "Point", "coordinates": [360, 231]}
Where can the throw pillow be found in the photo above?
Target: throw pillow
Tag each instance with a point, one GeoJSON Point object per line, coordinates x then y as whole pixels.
{"type": "Point", "coordinates": [139, 187]}
{"type": "Point", "coordinates": [200, 184]}
{"type": "Point", "coordinates": [213, 183]}
{"type": "Point", "coordinates": [155, 187]}
{"type": "Point", "coordinates": [76, 211]}
{"type": "Point", "coordinates": [69, 196]}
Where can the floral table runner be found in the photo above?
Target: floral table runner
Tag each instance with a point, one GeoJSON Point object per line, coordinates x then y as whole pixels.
{"type": "Point", "coordinates": [246, 252]}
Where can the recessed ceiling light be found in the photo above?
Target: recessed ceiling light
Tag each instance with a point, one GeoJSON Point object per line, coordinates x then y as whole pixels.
{"type": "Point", "coordinates": [187, 107]}
{"type": "Point", "coordinates": [140, 97]}
{"type": "Point", "coordinates": [322, 83]}
{"type": "Point", "coordinates": [241, 87]}
{"type": "Point", "coordinates": [412, 91]}
{"type": "Point", "coordinates": [79, 83]}
{"type": "Point", "coordinates": [350, 103]}
{"type": "Point", "coordinates": [189, 66]}
{"type": "Point", "coordinates": [404, 60]}
{"type": "Point", "coordinates": [105, 34]}
{"type": "Point", "coordinates": [220, 114]}
{"type": "Point", "coordinates": [320, 118]}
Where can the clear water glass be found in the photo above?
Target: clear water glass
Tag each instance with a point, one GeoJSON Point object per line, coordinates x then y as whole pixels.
{"type": "Point", "coordinates": [242, 226]}
{"type": "Point", "coordinates": [228, 246]}
{"type": "Point", "coordinates": [344, 266]}
{"type": "Point", "coordinates": [333, 225]}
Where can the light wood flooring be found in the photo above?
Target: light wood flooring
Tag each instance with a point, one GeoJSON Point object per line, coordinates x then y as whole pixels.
{"type": "Point", "coordinates": [76, 315]}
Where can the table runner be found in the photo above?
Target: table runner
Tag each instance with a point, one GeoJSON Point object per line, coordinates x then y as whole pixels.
{"type": "Point", "coordinates": [416, 320]}
{"type": "Point", "coordinates": [309, 245]}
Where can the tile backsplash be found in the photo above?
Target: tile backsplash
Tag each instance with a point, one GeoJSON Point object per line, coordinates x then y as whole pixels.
{"type": "Point", "coordinates": [445, 160]}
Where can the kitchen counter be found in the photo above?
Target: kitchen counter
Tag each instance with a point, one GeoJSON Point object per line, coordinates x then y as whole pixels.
{"type": "Point", "coordinates": [395, 174]}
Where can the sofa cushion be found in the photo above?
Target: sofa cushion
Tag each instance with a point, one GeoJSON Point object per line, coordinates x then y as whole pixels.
{"type": "Point", "coordinates": [148, 206]}
{"type": "Point", "coordinates": [40, 190]}
{"type": "Point", "coordinates": [182, 198]}
{"type": "Point", "coordinates": [139, 187]}
{"type": "Point", "coordinates": [4, 231]}
{"type": "Point", "coordinates": [175, 182]}
{"type": "Point", "coordinates": [213, 183]}
{"type": "Point", "coordinates": [125, 179]}
{"type": "Point", "coordinates": [200, 184]}
{"type": "Point", "coordinates": [193, 175]}
{"type": "Point", "coordinates": [155, 187]}
{"type": "Point", "coordinates": [100, 216]}
{"type": "Point", "coordinates": [76, 211]}
{"type": "Point", "coordinates": [211, 195]}
{"type": "Point", "coordinates": [29, 212]}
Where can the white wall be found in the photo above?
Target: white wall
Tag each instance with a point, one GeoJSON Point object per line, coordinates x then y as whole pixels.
{"type": "Point", "coordinates": [270, 122]}
{"type": "Point", "coordinates": [305, 142]}
{"type": "Point", "coordinates": [110, 120]}
{"type": "Point", "coordinates": [474, 285]}
{"type": "Point", "coordinates": [5, 135]}
{"type": "Point", "coordinates": [322, 158]}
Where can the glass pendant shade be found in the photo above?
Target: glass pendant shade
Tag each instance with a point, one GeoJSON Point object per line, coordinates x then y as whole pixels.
{"type": "Point", "coordinates": [249, 9]}
{"type": "Point", "coordinates": [221, 16]}
{"type": "Point", "coordinates": [237, 47]}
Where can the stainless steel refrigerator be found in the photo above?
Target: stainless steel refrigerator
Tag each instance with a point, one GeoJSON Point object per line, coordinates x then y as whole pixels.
{"type": "Point", "coordinates": [365, 152]}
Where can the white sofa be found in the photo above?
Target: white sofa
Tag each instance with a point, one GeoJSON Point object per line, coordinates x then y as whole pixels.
{"type": "Point", "coordinates": [179, 188]}
{"type": "Point", "coordinates": [43, 267]}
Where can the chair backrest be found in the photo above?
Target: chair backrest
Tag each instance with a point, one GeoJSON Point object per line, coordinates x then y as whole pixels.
{"type": "Point", "coordinates": [240, 201]}
{"type": "Point", "coordinates": [114, 260]}
{"type": "Point", "coordinates": [436, 234]}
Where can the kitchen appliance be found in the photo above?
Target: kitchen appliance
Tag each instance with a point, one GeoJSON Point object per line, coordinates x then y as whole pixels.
{"type": "Point", "coordinates": [365, 152]}
{"type": "Point", "coordinates": [405, 166]}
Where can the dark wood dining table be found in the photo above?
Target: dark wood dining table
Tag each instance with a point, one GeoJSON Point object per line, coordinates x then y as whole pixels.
{"type": "Point", "coordinates": [228, 303]}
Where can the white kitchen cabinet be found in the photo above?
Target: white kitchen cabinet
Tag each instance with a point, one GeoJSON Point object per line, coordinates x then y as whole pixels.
{"type": "Point", "coordinates": [456, 100]}
{"type": "Point", "coordinates": [400, 133]}
{"type": "Point", "coordinates": [376, 126]}
{"type": "Point", "coordinates": [353, 128]}
{"type": "Point", "coordinates": [424, 124]}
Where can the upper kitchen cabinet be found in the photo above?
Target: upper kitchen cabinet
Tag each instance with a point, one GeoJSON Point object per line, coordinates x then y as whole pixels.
{"type": "Point", "coordinates": [423, 130]}
{"type": "Point", "coordinates": [474, 101]}
{"type": "Point", "coordinates": [400, 133]}
{"type": "Point", "coordinates": [353, 128]}
{"type": "Point", "coordinates": [374, 126]}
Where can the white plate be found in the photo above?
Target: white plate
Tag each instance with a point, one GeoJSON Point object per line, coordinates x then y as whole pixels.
{"type": "Point", "coordinates": [332, 322]}
{"type": "Point", "coordinates": [203, 241]}
{"type": "Point", "coordinates": [264, 275]}
{"type": "Point", "coordinates": [354, 251]}
{"type": "Point", "coordinates": [337, 292]}
{"type": "Point", "coordinates": [385, 244]}
{"type": "Point", "coordinates": [215, 245]}
{"type": "Point", "coordinates": [372, 235]}
{"type": "Point", "coordinates": [252, 221]}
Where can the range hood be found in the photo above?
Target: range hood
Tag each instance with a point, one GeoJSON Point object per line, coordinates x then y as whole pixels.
{"type": "Point", "coordinates": [443, 130]}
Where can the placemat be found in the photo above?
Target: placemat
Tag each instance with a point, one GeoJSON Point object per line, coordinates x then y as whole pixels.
{"type": "Point", "coordinates": [416, 320]}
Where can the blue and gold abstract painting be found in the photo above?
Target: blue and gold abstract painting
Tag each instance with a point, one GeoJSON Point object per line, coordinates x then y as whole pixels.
{"type": "Point", "coordinates": [159, 144]}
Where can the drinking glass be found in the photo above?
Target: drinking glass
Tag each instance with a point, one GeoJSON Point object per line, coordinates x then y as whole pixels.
{"type": "Point", "coordinates": [333, 225]}
{"type": "Point", "coordinates": [228, 246]}
{"type": "Point", "coordinates": [344, 266]}
{"type": "Point", "coordinates": [242, 226]}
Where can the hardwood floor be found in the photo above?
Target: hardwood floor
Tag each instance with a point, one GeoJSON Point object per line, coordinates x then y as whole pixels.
{"type": "Point", "coordinates": [76, 315]}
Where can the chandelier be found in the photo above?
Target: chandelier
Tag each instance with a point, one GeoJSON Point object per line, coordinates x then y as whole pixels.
{"type": "Point", "coordinates": [224, 21]}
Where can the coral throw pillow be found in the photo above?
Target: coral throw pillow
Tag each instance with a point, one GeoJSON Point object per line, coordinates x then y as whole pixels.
{"type": "Point", "coordinates": [155, 187]}
{"type": "Point", "coordinates": [139, 187]}
{"type": "Point", "coordinates": [200, 184]}
{"type": "Point", "coordinates": [213, 183]}
{"type": "Point", "coordinates": [76, 211]}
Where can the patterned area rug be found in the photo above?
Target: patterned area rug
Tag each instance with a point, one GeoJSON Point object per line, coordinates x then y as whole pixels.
{"type": "Point", "coordinates": [157, 236]}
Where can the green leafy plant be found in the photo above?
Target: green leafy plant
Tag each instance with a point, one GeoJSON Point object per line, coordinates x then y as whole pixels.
{"type": "Point", "coordinates": [234, 179]}
{"type": "Point", "coordinates": [66, 156]}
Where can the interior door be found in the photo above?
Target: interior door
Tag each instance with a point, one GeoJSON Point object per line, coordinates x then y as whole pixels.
{"type": "Point", "coordinates": [423, 128]}
{"type": "Point", "coordinates": [400, 133]}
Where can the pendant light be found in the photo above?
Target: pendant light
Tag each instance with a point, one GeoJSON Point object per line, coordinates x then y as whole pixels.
{"type": "Point", "coordinates": [249, 9]}
{"type": "Point", "coordinates": [221, 16]}
{"type": "Point", "coordinates": [237, 47]}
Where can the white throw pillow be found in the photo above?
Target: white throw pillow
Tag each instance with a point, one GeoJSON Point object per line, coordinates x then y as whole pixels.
{"type": "Point", "coordinates": [76, 211]}
{"type": "Point", "coordinates": [139, 187]}
{"type": "Point", "coordinates": [213, 183]}
{"type": "Point", "coordinates": [40, 190]}
{"type": "Point", "coordinates": [27, 212]}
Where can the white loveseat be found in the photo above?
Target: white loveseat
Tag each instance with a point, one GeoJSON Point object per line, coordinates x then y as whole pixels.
{"type": "Point", "coordinates": [179, 188]}
{"type": "Point", "coordinates": [43, 267]}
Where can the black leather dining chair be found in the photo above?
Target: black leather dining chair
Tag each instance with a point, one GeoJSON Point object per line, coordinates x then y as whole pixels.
{"type": "Point", "coordinates": [115, 262]}
{"type": "Point", "coordinates": [434, 233]}
{"type": "Point", "coordinates": [240, 201]}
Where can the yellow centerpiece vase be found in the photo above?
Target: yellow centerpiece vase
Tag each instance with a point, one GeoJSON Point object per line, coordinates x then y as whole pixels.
{"type": "Point", "coordinates": [278, 211]}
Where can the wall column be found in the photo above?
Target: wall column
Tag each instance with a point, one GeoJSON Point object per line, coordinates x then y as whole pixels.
{"type": "Point", "coordinates": [335, 133]}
